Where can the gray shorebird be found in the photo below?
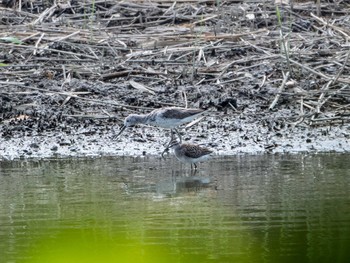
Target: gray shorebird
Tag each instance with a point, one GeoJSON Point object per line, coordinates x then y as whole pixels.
{"type": "Point", "coordinates": [190, 153]}
{"type": "Point", "coordinates": [170, 118]}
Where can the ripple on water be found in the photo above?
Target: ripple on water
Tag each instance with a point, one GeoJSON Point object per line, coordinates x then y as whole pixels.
{"type": "Point", "coordinates": [242, 208]}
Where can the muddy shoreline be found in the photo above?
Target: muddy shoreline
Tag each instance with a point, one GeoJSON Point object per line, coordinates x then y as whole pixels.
{"type": "Point", "coordinates": [227, 132]}
{"type": "Point", "coordinates": [67, 85]}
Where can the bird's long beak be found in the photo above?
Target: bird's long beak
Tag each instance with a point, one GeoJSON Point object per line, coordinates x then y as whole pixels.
{"type": "Point", "coordinates": [121, 130]}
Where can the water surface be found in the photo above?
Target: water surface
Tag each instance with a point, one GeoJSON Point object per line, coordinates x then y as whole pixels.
{"type": "Point", "coordinates": [267, 208]}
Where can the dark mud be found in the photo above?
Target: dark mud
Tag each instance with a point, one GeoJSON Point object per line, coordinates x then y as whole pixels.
{"type": "Point", "coordinates": [49, 107]}
{"type": "Point", "coordinates": [49, 128]}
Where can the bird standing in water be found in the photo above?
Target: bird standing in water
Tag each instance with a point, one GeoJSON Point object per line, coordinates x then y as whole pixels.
{"type": "Point", "coordinates": [190, 153]}
{"type": "Point", "coordinates": [170, 118]}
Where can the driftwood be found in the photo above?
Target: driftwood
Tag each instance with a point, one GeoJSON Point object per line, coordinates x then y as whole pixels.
{"type": "Point", "coordinates": [231, 44]}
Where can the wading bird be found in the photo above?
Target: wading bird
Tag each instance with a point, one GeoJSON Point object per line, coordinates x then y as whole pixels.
{"type": "Point", "coordinates": [190, 153]}
{"type": "Point", "coordinates": [170, 118]}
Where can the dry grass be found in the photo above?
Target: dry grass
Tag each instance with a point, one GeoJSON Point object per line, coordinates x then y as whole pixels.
{"type": "Point", "coordinates": [229, 44]}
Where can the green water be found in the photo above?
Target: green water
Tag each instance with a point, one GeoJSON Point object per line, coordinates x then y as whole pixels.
{"type": "Point", "coordinates": [268, 208]}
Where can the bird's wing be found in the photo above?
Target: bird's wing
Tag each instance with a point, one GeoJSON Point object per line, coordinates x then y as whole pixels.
{"type": "Point", "coordinates": [195, 151]}
{"type": "Point", "coordinates": [180, 113]}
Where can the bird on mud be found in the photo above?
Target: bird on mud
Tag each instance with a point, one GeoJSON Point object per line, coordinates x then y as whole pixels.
{"type": "Point", "coordinates": [169, 118]}
{"type": "Point", "coordinates": [190, 153]}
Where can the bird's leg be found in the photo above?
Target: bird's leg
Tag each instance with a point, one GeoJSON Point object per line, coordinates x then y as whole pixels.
{"type": "Point", "coordinates": [195, 166]}
{"type": "Point", "coordinates": [172, 138]}
{"type": "Point", "coordinates": [193, 172]}
{"type": "Point", "coordinates": [166, 150]}
{"type": "Point", "coordinates": [178, 134]}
